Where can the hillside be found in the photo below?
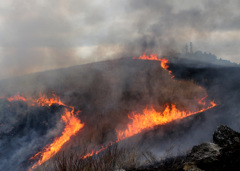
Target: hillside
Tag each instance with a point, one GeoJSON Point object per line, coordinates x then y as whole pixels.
{"type": "Point", "coordinates": [106, 93]}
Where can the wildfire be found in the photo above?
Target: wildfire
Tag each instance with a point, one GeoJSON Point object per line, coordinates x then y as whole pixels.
{"type": "Point", "coordinates": [201, 101]}
{"type": "Point", "coordinates": [154, 57]}
{"type": "Point", "coordinates": [44, 101]}
{"type": "Point", "coordinates": [164, 64]}
{"type": "Point", "coordinates": [17, 98]}
{"type": "Point", "coordinates": [102, 148]}
{"type": "Point", "coordinates": [151, 118]}
{"type": "Point", "coordinates": [146, 120]}
{"type": "Point", "coordinates": [73, 125]}
{"type": "Point", "coordinates": [41, 101]}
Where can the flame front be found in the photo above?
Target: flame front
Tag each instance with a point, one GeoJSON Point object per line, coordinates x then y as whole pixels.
{"type": "Point", "coordinates": [17, 97]}
{"type": "Point", "coordinates": [102, 148]}
{"type": "Point", "coordinates": [154, 57]}
{"type": "Point", "coordinates": [44, 101]}
{"type": "Point", "coordinates": [151, 118]}
{"type": "Point", "coordinates": [148, 119]}
{"type": "Point", "coordinates": [73, 125]}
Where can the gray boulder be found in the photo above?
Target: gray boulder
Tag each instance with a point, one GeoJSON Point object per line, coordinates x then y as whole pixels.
{"type": "Point", "coordinates": [204, 153]}
{"type": "Point", "coordinates": [226, 137]}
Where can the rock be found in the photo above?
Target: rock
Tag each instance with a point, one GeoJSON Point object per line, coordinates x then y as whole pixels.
{"type": "Point", "coordinates": [226, 137]}
{"type": "Point", "coordinates": [201, 157]}
{"type": "Point", "coordinates": [223, 154]}
{"type": "Point", "coordinates": [204, 153]}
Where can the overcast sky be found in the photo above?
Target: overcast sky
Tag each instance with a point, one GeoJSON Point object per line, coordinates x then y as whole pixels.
{"type": "Point", "coordinates": [37, 35]}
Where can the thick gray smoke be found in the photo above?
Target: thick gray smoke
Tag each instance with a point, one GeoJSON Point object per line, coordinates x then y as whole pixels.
{"type": "Point", "coordinates": [41, 35]}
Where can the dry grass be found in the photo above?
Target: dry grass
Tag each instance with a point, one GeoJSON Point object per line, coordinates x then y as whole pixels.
{"type": "Point", "coordinates": [106, 97]}
{"type": "Point", "coordinates": [112, 158]}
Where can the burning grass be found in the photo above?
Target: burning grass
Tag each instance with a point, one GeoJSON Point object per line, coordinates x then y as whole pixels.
{"type": "Point", "coordinates": [151, 117]}
{"type": "Point", "coordinates": [113, 103]}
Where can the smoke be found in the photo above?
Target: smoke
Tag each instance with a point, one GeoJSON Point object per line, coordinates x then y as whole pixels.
{"type": "Point", "coordinates": [42, 35]}
{"type": "Point", "coordinates": [37, 37]}
{"type": "Point", "coordinates": [105, 93]}
{"type": "Point", "coordinates": [25, 130]}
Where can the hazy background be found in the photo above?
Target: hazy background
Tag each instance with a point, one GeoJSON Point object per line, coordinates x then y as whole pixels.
{"type": "Point", "coordinates": [37, 35]}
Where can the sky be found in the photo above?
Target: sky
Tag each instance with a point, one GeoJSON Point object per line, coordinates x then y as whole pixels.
{"type": "Point", "coordinates": [38, 35]}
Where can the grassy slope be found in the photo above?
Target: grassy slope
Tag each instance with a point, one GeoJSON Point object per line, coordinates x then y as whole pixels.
{"type": "Point", "coordinates": [106, 92]}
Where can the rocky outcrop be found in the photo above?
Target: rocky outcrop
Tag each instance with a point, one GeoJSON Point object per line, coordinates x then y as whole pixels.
{"type": "Point", "coordinates": [226, 137]}
{"type": "Point", "coordinates": [204, 154]}
{"type": "Point", "coordinates": [222, 154]}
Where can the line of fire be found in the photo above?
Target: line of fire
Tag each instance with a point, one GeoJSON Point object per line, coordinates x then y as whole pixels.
{"type": "Point", "coordinates": [149, 117]}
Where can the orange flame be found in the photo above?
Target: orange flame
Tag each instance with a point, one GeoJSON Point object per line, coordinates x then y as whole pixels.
{"type": "Point", "coordinates": [164, 63]}
{"type": "Point", "coordinates": [44, 101]}
{"type": "Point", "coordinates": [154, 57]}
{"type": "Point", "coordinates": [201, 101]}
{"type": "Point", "coordinates": [73, 125]}
{"type": "Point", "coordinates": [151, 118]}
{"type": "Point", "coordinates": [41, 101]}
{"type": "Point", "coordinates": [102, 148]}
{"type": "Point", "coordinates": [140, 122]}
{"type": "Point", "coordinates": [17, 98]}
